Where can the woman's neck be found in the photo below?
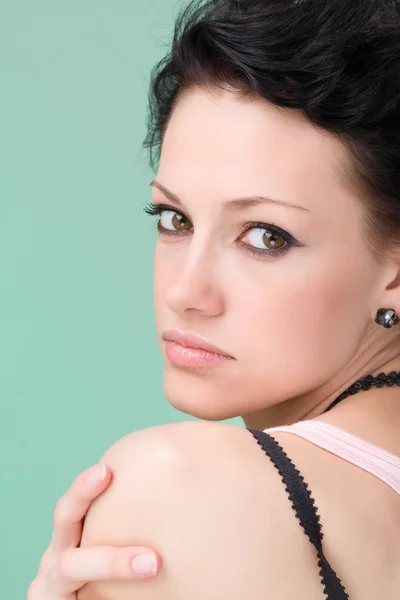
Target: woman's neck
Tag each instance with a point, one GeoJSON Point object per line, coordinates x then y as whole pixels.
{"type": "Point", "coordinates": [314, 405]}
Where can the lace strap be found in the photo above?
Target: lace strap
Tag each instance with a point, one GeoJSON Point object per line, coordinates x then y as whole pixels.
{"type": "Point", "coordinates": [304, 507]}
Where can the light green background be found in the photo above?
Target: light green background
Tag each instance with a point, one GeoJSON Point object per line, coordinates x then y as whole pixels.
{"type": "Point", "coordinates": [79, 365]}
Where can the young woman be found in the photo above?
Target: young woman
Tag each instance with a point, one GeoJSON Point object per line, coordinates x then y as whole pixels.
{"type": "Point", "coordinates": [277, 288]}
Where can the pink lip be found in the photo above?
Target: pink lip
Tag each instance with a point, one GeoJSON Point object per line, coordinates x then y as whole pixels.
{"type": "Point", "coordinates": [190, 350]}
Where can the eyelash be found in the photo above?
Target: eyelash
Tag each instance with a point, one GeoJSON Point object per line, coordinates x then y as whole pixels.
{"type": "Point", "coordinates": [156, 210]}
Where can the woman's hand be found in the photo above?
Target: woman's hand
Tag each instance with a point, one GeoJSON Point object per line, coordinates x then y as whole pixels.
{"type": "Point", "coordinates": [64, 567]}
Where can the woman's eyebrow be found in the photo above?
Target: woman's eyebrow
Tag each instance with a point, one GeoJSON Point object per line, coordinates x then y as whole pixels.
{"type": "Point", "coordinates": [235, 203]}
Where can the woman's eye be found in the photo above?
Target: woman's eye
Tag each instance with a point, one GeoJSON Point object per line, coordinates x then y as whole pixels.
{"type": "Point", "coordinates": [170, 220]}
{"type": "Point", "coordinates": [260, 239]}
{"type": "Point", "coordinates": [263, 239]}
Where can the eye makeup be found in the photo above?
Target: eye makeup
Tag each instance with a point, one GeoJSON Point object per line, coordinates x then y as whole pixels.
{"type": "Point", "coordinates": [180, 225]}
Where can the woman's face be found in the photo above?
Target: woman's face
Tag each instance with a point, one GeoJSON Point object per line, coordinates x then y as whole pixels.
{"type": "Point", "coordinates": [287, 292]}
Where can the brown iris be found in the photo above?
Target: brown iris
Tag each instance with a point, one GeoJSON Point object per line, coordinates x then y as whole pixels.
{"type": "Point", "coordinates": [270, 238]}
{"type": "Point", "coordinates": [181, 223]}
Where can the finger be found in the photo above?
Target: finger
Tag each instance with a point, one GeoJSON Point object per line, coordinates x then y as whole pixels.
{"type": "Point", "coordinates": [72, 507]}
{"type": "Point", "coordinates": [98, 563]}
{"type": "Point", "coordinates": [35, 590]}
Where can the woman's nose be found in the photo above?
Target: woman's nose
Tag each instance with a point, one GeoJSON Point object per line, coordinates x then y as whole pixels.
{"type": "Point", "coordinates": [196, 289]}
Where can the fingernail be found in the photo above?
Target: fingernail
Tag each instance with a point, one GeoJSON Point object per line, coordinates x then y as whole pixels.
{"type": "Point", "coordinates": [96, 474]}
{"type": "Point", "coordinates": [144, 564]}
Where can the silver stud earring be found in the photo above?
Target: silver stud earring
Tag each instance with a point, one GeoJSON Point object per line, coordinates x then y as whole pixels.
{"type": "Point", "coordinates": [387, 317]}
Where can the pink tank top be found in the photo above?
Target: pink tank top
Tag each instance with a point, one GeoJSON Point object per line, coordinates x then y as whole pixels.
{"type": "Point", "coordinates": [377, 461]}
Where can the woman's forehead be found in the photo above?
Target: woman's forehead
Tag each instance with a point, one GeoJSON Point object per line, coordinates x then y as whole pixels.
{"type": "Point", "coordinates": [221, 146]}
{"type": "Point", "coordinates": [210, 132]}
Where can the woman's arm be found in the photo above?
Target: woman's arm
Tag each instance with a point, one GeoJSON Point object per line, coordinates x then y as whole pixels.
{"type": "Point", "coordinates": [208, 499]}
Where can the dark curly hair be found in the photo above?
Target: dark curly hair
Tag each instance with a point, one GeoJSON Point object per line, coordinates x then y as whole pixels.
{"type": "Point", "coordinates": [337, 61]}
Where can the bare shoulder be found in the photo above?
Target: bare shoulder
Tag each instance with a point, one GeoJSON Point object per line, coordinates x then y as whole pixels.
{"type": "Point", "coordinates": [207, 497]}
{"type": "Point", "coordinates": [211, 502]}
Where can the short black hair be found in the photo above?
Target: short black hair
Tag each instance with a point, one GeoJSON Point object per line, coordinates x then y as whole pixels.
{"type": "Point", "coordinates": [336, 61]}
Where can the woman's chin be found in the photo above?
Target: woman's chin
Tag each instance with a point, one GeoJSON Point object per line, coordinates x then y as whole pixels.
{"type": "Point", "coordinates": [205, 413]}
{"type": "Point", "coordinates": [198, 399]}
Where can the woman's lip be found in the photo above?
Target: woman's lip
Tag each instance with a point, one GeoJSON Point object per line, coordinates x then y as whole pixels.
{"type": "Point", "coordinates": [190, 340]}
{"type": "Point", "coordinates": [188, 356]}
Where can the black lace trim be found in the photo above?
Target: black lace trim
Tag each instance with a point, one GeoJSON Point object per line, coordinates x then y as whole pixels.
{"type": "Point", "coordinates": [305, 510]}
{"type": "Point", "coordinates": [389, 379]}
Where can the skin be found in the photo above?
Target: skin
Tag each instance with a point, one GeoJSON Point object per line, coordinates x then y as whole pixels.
{"type": "Point", "coordinates": [315, 306]}
{"type": "Point", "coordinates": [300, 328]}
